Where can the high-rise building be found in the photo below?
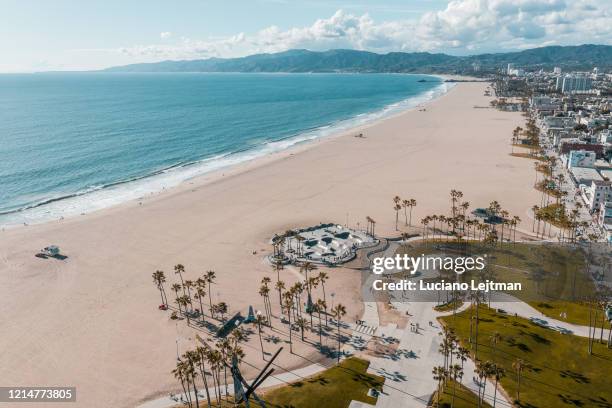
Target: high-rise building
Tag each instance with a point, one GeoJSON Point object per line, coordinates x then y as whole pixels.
{"type": "Point", "coordinates": [557, 71]}
{"type": "Point", "coordinates": [575, 83]}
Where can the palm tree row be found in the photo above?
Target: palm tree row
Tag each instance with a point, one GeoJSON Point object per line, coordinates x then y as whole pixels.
{"type": "Point", "coordinates": [461, 226]}
{"type": "Point", "coordinates": [398, 204]}
{"type": "Point", "coordinates": [189, 291]}
{"type": "Point", "coordinates": [208, 362]}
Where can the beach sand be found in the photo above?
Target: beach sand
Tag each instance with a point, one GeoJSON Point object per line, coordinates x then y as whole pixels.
{"type": "Point", "coordinates": [91, 321]}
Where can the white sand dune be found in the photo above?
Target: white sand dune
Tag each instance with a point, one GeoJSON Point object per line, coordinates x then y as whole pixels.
{"type": "Point", "coordinates": [92, 322]}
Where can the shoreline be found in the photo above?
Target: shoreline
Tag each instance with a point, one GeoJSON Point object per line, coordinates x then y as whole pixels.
{"type": "Point", "coordinates": [201, 171]}
{"type": "Point", "coordinates": [102, 301]}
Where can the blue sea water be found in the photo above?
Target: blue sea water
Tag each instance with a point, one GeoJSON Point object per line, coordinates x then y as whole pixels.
{"type": "Point", "coordinates": [76, 142]}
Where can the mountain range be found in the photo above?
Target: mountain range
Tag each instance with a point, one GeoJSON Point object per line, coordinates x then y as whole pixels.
{"type": "Point", "coordinates": [581, 57]}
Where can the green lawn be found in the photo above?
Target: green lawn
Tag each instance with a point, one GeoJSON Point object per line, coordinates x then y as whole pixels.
{"type": "Point", "coordinates": [554, 278]}
{"type": "Point", "coordinates": [334, 388]}
{"type": "Point", "coordinates": [562, 374]}
{"type": "Point", "coordinates": [464, 398]}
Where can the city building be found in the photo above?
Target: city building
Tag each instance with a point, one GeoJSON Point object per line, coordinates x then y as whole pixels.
{"type": "Point", "coordinates": [581, 158]}
{"type": "Point", "coordinates": [597, 193]}
{"type": "Point", "coordinates": [573, 83]}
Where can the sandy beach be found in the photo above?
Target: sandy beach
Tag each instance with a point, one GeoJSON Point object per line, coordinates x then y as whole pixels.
{"type": "Point", "coordinates": [91, 321]}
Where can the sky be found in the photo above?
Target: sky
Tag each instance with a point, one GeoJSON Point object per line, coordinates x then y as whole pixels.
{"type": "Point", "coordinates": [43, 35]}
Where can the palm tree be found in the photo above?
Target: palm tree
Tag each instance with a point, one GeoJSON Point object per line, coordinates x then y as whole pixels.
{"type": "Point", "coordinates": [498, 373]}
{"type": "Point", "coordinates": [199, 295]}
{"type": "Point", "coordinates": [320, 306]}
{"type": "Point", "coordinates": [397, 209]}
{"type": "Point", "coordinates": [323, 277]}
{"type": "Point", "coordinates": [180, 374]}
{"type": "Point", "coordinates": [519, 365]}
{"type": "Point", "coordinates": [201, 352]}
{"type": "Point", "coordinates": [176, 287]}
{"type": "Point", "coordinates": [188, 285]}
{"type": "Point", "coordinates": [264, 291]}
{"type": "Point", "coordinates": [339, 311]}
{"type": "Point", "coordinates": [301, 323]}
{"type": "Point", "coordinates": [259, 320]}
{"type": "Point", "coordinates": [210, 277]}
{"type": "Point", "coordinates": [405, 205]}
{"type": "Point", "coordinates": [191, 359]}
{"type": "Point", "coordinates": [462, 354]}
{"type": "Point", "coordinates": [438, 375]}
{"type": "Point", "coordinates": [184, 301]}
{"type": "Point", "coordinates": [495, 338]}
{"type": "Point", "coordinates": [412, 204]}
{"type": "Point", "coordinates": [288, 305]}
{"type": "Point", "coordinates": [179, 269]}
{"type": "Point", "coordinates": [159, 278]}
{"type": "Point", "coordinates": [483, 369]}
{"type": "Point", "coordinates": [280, 286]}
{"type": "Point", "coordinates": [307, 267]}
{"type": "Point", "coordinates": [456, 372]}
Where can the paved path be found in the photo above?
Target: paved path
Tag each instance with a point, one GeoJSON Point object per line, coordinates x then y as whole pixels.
{"type": "Point", "coordinates": [408, 372]}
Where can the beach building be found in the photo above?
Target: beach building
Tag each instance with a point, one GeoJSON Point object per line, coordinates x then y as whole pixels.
{"type": "Point", "coordinates": [597, 193]}
{"type": "Point", "coordinates": [581, 158]}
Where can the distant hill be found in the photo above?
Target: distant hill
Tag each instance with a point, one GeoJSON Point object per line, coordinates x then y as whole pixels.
{"type": "Point", "coordinates": [568, 57]}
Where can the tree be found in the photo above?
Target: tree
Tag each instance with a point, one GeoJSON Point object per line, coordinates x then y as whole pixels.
{"type": "Point", "coordinates": [200, 294]}
{"type": "Point", "coordinates": [201, 352]}
{"type": "Point", "coordinates": [307, 267]}
{"type": "Point", "coordinates": [483, 370]}
{"type": "Point", "coordinates": [221, 308]}
{"type": "Point", "coordinates": [320, 306]}
{"type": "Point", "coordinates": [280, 286]}
{"type": "Point", "coordinates": [176, 287]}
{"type": "Point", "coordinates": [519, 366]}
{"type": "Point", "coordinates": [288, 305]}
{"type": "Point", "coordinates": [462, 354]}
{"type": "Point", "coordinates": [185, 302]}
{"type": "Point", "coordinates": [190, 358]}
{"type": "Point", "coordinates": [405, 205]}
{"type": "Point", "coordinates": [264, 291]}
{"type": "Point", "coordinates": [179, 269]}
{"type": "Point", "coordinates": [438, 375]}
{"type": "Point", "coordinates": [323, 277]}
{"type": "Point", "coordinates": [159, 278]}
{"type": "Point", "coordinates": [301, 323]}
{"type": "Point", "coordinates": [259, 320]}
{"type": "Point", "coordinates": [180, 373]}
{"type": "Point", "coordinates": [498, 373]}
{"type": "Point", "coordinates": [339, 311]}
{"type": "Point", "coordinates": [412, 204]}
{"type": "Point", "coordinates": [456, 372]}
{"type": "Point", "coordinates": [495, 338]}
{"type": "Point", "coordinates": [210, 277]}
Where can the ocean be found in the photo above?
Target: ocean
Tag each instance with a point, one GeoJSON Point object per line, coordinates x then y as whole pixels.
{"type": "Point", "coordinates": [72, 143]}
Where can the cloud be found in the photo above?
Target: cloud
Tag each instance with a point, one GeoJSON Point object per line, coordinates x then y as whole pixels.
{"type": "Point", "coordinates": [462, 27]}
{"type": "Point", "coordinates": [165, 34]}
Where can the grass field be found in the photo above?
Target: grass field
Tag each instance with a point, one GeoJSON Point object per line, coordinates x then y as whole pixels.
{"type": "Point", "coordinates": [554, 278]}
{"type": "Point", "coordinates": [333, 388]}
{"type": "Point", "coordinates": [464, 398]}
{"type": "Point", "coordinates": [562, 374]}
